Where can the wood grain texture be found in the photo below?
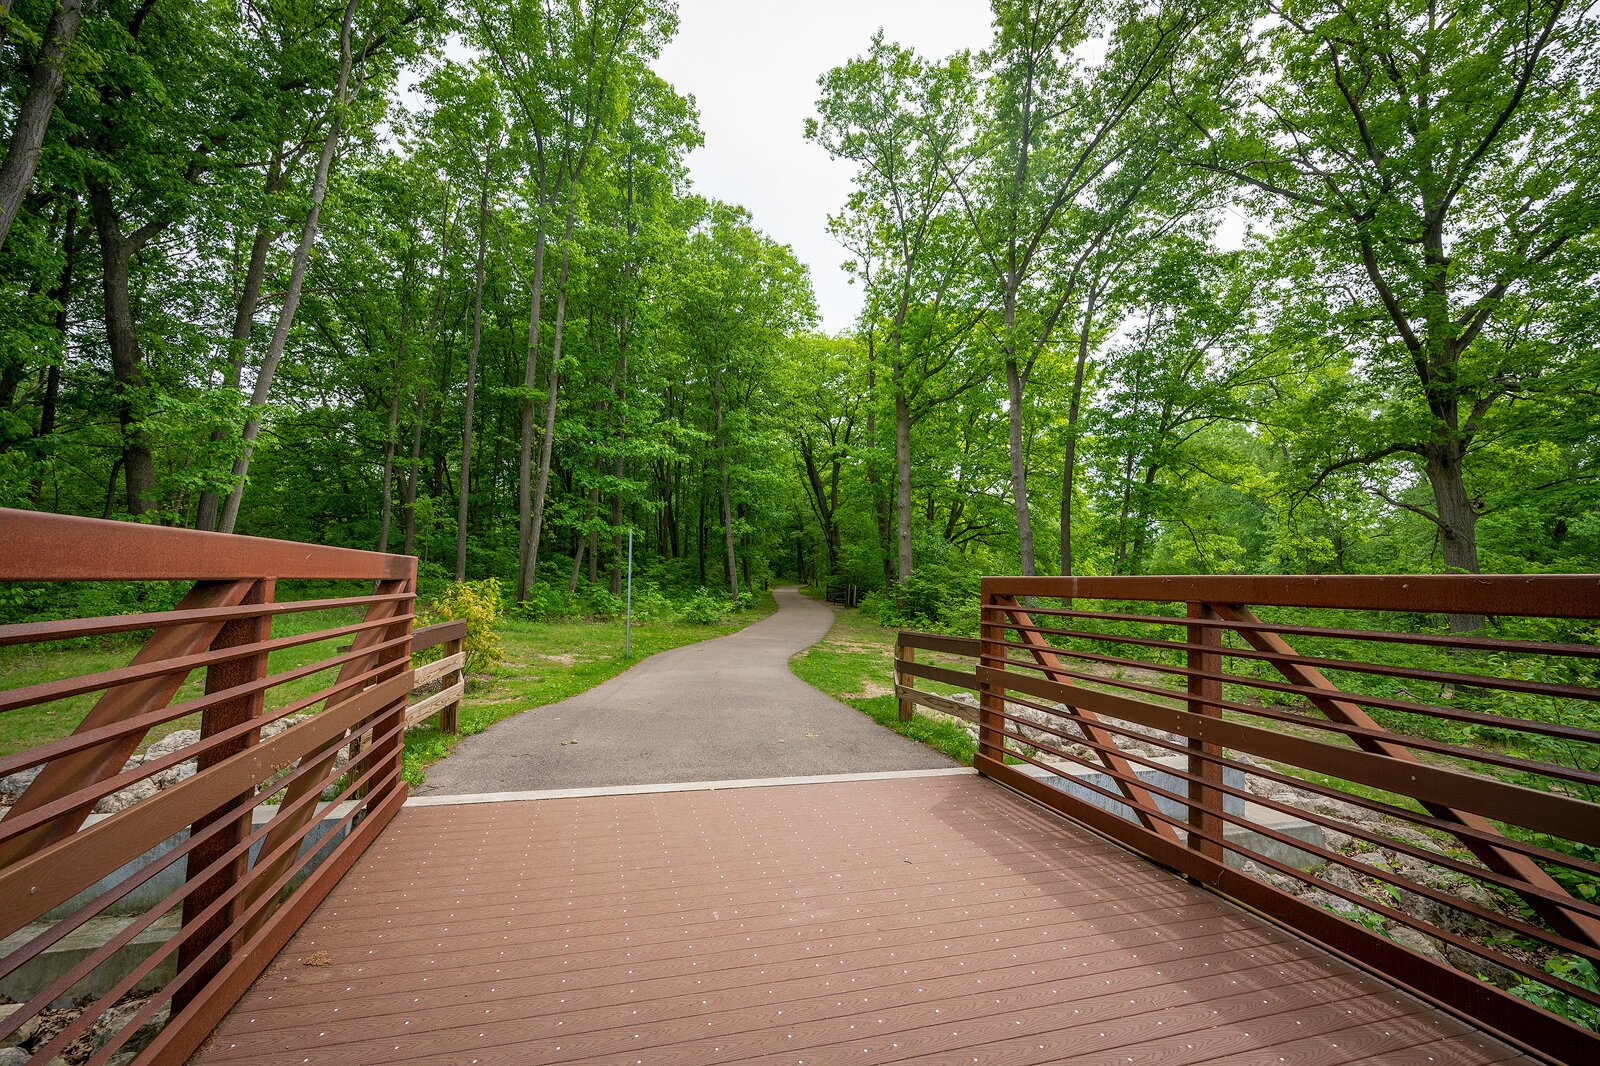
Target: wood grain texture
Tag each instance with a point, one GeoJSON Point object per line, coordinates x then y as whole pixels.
{"type": "Point", "coordinates": [930, 919]}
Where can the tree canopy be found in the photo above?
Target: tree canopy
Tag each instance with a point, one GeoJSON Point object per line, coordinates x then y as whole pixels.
{"type": "Point", "coordinates": [1189, 286]}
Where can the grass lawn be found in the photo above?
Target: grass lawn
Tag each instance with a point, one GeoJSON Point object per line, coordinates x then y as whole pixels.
{"type": "Point", "coordinates": [546, 662]}
{"type": "Point", "coordinates": [854, 664]}
{"type": "Point", "coordinates": [26, 664]}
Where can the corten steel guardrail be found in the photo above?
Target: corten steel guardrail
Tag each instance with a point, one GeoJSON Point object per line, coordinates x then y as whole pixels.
{"type": "Point", "coordinates": [1470, 761]}
{"type": "Point", "coordinates": [238, 831]}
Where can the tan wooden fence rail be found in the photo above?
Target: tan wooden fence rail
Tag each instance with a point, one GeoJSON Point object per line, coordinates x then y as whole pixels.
{"type": "Point", "coordinates": [445, 703]}
{"type": "Point", "coordinates": [261, 813]}
{"type": "Point", "coordinates": [1176, 716]}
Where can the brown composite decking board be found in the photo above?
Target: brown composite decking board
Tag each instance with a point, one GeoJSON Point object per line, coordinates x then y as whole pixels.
{"type": "Point", "coordinates": [935, 919]}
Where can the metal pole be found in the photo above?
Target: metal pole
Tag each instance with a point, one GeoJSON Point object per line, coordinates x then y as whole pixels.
{"type": "Point", "coordinates": [627, 625]}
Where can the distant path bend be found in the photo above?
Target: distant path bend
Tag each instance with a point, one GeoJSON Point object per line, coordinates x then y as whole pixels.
{"type": "Point", "coordinates": [723, 709]}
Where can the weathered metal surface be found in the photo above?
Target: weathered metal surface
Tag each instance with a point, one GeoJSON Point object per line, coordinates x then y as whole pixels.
{"type": "Point", "coordinates": [934, 920]}
{"type": "Point", "coordinates": [1531, 595]}
{"type": "Point", "coordinates": [52, 547]}
{"type": "Point", "coordinates": [243, 890]}
{"type": "Point", "coordinates": [1203, 695]}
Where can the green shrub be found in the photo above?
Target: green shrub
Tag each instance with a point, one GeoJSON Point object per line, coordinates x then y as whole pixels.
{"type": "Point", "coordinates": [478, 604]}
{"type": "Point", "coordinates": [544, 603]}
{"type": "Point", "coordinates": [705, 608]}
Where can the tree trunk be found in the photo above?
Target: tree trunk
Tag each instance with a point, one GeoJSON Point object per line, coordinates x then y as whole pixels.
{"type": "Point", "coordinates": [530, 379]}
{"type": "Point", "coordinates": [727, 496]}
{"type": "Point", "coordinates": [408, 493]}
{"type": "Point", "coordinates": [902, 476]}
{"type": "Point", "coordinates": [1458, 520]}
{"type": "Point", "coordinates": [61, 295]}
{"type": "Point", "coordinates": [546, 446]}
{"type": "Point", "coordinates": [1019, 466]}
{"type": "Point", "coordinates": [880, 502]}
{"type": "Point", "coordinates": [33, 117]}
{"type": "Point", "coordinates": [465, 499]}
{"type": "Point", "coordinates": [389, 439]}
{"type": "Point", "coordinates": [127, 358]}
{"type": "Point", "coordinates": [244, 317]}
{"type": "Point", "coordinates": [1069, 463]}
{"type": "Point", "coordinates": [297, 274]}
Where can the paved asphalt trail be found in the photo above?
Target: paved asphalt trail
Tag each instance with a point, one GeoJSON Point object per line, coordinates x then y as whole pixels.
{"type": "Point", "coordinates": [719, 710]}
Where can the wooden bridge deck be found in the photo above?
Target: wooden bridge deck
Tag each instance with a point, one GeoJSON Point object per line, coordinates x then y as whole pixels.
{"type": "Point", "coordinates": [929, 918]}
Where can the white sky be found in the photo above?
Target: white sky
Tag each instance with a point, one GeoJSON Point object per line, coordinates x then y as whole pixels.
{"type": "Point", "coordinates": [752, 66]}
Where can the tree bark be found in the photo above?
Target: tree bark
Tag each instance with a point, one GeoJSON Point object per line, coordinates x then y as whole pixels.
{"type": "Point", "coordinates": [1457, 521]}
{"type": "Point", "coordinates": [297, 274]}
{"type": "Point", "coordinates": [530, 379]}
{"type": "Point", "coordinates": [727, 496]}
{"type": "Point", "coordinates": [390, 441]}
{"type": "Point", "coordinates": [464, 501]}
{"type": "Point", "coordinates": [408, 491]}
{"type": "Point", "coordinates": [244, 317]}
{"type": "Point", "coordinates": [1019, 465]}
{"type": "Point", "coordinates": [61, 295]}
{"type": "Point", "coordinates": [902, 477]}
{"type": "Point", "coordinates": [546, 446]}
{"type": "Point", "coordinates": [1069, 462]}
{"type": "Point", "coordinates": [33, 117]}
{"type": "Point", "coordinates": [127, 357]}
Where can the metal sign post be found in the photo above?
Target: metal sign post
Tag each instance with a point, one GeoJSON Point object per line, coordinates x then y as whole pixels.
{"type": "Point", "coordinates": [627, 625]}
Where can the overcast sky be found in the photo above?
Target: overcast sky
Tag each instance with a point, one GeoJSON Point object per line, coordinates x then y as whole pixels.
{"type": "Point", "coordinates": [752, 66]}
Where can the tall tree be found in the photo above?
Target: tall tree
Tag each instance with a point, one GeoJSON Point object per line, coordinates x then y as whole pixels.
{"type": "Point", "coordinates": [1435, 161]}
{"type": "Point", "coordinates": [900, 119]}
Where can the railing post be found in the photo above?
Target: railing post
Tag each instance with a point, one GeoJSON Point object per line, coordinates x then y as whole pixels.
{"type": "Point", "coordinates": [213, 720]}
{"type": "Point", "coordinates": [450, 714]}
{"type": "Point", "coordinates": [1204, 796]}
{"type": "Point", "coordinates": [391, 750]}
{"type": "Point", "coordinates": [905, 654]}
{"type": "Point", "coordinates": [991, 694]}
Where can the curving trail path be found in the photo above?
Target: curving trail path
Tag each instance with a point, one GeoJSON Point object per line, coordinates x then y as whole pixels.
{"type": "Point", "coordinates": [722, 709]}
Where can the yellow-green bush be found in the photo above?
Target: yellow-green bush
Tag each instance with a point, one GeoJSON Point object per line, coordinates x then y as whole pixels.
{"type": "Point", "coordinates": [478, 604]}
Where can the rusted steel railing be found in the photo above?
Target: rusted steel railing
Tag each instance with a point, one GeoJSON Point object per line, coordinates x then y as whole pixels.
{"type": "Point", "coordinates": [1442, 787]}
{"type": "Point", "coordinates": [299, 708]}
{"type": "Point", "coordinates": [448, 672]}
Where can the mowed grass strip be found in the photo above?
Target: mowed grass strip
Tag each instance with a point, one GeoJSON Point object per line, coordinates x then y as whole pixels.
{"type": "Point", "coordinates": [854, 664]}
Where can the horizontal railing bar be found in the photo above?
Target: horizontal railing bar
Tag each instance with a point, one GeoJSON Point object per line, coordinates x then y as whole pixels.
{"type": "Point", "coordinates": [1456, 830]}
{"type": "Point", "coordinates": [45, 692]}
{"type": "Point", "coordinates": [1350, 829]}
{"type": "Point", "coordinates": [148, 964]}
{"type": "Point", "coordinates": [1530, 595]}
{"type": "Point", "coordinates": [1547, 812]}
{"type": "Point", "coordinates": [935, 702]}
{"type": "Point", "coordinates": [1240, 819]}
{"type": "Point", "coordinates": [55, 749]}
{"type": "Point", "coordinates": [1426, 710]}
{"type": "Point", "coordinates": [40, 881]}
{"type": "Point", "coordinates": [224, 820]}
{"type": "Point", "coordinates": [938, 642]}
{"type": "Point", "coordinates": [1451, 641]}
{"type": "Point", "coordinates": [1436, 747]}
{"type": "Point", "coordinates": [1538, 688]}
{"type": "Point", "coordinates": [929, 672]}
{"type": "Point", "coordinates": [438, 633]}
{"type": "Point", "coordinates": [1446, 986]}
{"type": "Point", "coordinates": [52, 547]}
{"type": "Point", "coordinates": [15, 826]}
{"type": "Point", "coordinates": [69, 628]}
{"type": "Point", "coordinates": [1377, 906]}
{"type": "Point", "coordinates": [87, 965]}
